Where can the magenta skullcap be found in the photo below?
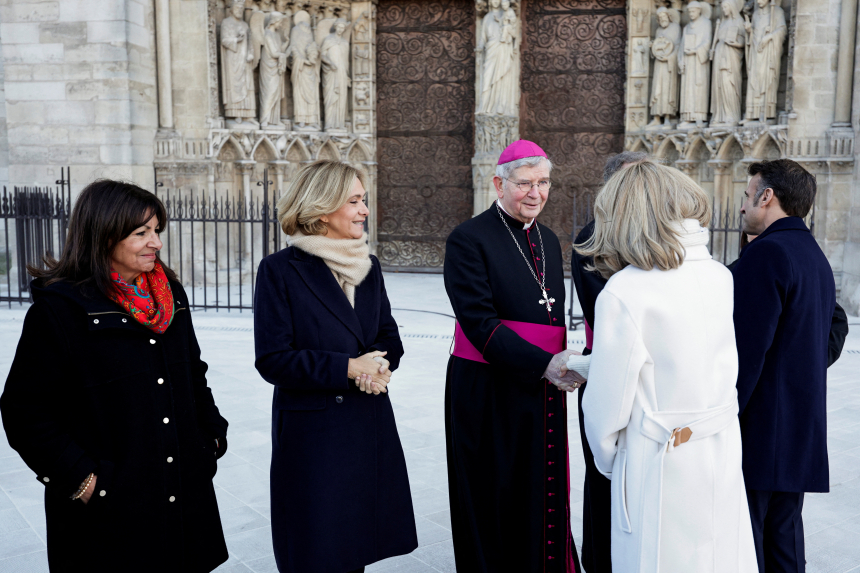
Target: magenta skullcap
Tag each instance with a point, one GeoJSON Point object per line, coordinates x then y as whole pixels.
{"type": "Point", "coordinates": [519, 149]}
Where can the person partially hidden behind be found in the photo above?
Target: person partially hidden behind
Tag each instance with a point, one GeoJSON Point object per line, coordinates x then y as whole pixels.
{"type": "Point", "coordinates": [784, 301]}
{"type": "Point", "coordinates": [596, 554]}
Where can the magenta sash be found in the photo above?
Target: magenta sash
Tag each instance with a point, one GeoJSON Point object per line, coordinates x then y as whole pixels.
{"type": "Point", "coordinates": [589, 336]}
{"type": "Point", "coordinates": [550, 338]}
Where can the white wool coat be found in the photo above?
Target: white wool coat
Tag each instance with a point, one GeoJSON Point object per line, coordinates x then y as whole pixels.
{"type": "Point", "coordinates": [665, 358]}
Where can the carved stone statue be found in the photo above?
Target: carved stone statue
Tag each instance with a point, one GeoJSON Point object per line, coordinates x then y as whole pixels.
{"type": "Point", "coordinates": [336, 82]}
{"type": "Point", "coordinates": [727, 57]}
{"type": "Point", "coordinates": [497, 41]}
{"type": "Point", "coordinates": [306, 86]}
{"type": "Point", "coordinates": [765, 37]}
{"type": "Point", "coordinates": [664, 92]}
{"type": "Point", "coordinates": [237, 72]}
{"type": "Point", "coordinates": [273, 66]}
{"type": "Point", "coordinates": [695, 65]}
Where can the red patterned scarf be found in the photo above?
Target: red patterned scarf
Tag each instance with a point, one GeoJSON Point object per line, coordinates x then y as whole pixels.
{"type": "Point", "coordinates": [149, 299]}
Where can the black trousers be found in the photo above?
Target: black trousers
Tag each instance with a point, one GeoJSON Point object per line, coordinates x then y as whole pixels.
{"type": "Point", "coordinates": [596, 509]}
{"type": "Point", "coordinates": [777, 526]}
{"type": "Point", "coordinates": [357, 571]}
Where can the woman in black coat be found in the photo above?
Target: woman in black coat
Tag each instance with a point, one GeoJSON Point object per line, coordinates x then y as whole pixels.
{"type": "Point", "coordinates": [107, 401]}
{"type": "Point", "coordinates": [326, 340]}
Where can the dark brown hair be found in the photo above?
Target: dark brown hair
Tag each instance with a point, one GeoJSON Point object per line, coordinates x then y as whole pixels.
{"type": "Point", "coordinates": [793, 185]}
{"type": "Point", "coordinates": [105, 213]}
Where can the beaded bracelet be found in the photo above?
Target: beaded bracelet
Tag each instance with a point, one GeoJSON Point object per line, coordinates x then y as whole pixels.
{"type": "Point", "coordinates": [84, 487]}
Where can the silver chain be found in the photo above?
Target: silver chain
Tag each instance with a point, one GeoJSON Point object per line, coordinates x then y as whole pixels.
{"type": "Point", "coordinates": [542, 281]}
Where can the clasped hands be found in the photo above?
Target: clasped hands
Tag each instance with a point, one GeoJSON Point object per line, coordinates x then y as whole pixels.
{"type": "Point", "coordinates": [557, 372]}
{"type": "Point", "coordinates": [370, 372]}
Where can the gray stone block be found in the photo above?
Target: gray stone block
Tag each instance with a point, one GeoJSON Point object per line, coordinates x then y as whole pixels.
{"type": "Point", "coordinates": [67, 33]}
{"type": "Point", "coordinates": [30, 12]}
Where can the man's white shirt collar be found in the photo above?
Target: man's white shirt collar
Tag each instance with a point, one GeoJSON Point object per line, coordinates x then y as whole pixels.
{"type": "Point", "coordinates": [526, 226]}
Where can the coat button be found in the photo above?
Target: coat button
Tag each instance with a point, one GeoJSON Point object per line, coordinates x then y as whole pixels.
{"type": "Point", "coordinates": [102, 493]}
{"type": "Point", "coordinates": [161, 380]}
{"type": "Point", "coordinates": [171, 499]}
{"type": "Point", "coordinates": [166, 420]}
{"type": "Point", "coordinates": [339, 399]}
{"type": "Point", "coordinates": [124, 320]}
{"type": "Point", "coordinates": [46, 479]}
{"type": "Point", "coordinates": [169, 460]}
{"type": "Point", "coordinates": [96, 321]}
{"type": "Point", "coordinates": [152, 341]}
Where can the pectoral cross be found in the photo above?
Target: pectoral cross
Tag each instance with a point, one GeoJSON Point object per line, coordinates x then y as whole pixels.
{"type": "Point", "coordinates": [547, 301]}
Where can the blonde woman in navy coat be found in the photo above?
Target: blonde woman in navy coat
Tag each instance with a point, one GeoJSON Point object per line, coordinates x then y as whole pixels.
{"type": "Point", "coordinates": [326, 340]}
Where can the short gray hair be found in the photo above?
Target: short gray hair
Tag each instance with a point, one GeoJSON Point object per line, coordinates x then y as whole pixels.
{"type": "Point", "coordinates": [614, 163]}
{"type": "Point", "coordinates": [505, 170]}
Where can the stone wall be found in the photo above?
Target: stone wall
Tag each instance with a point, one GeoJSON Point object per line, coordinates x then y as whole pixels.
{"type": "Point", "coordinates": [80, 89]}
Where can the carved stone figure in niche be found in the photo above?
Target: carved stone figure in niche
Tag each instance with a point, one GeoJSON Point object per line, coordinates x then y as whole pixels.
{"type": "Point", "coordinates": [273, 66]}
{"type": "Point", "coordinates": [664, 92]}
{"type": "Point", "coordinates": [695, 65]}
{"type": "Point", "coordinates": [322, 26]}
{"type": "Point", "coordinates": [306, 86]}
{"type": "Point", "coordinates": [237, 73]}
{"type": "Point", "coordinates": [727, 57]}
{"type": "Point", "coordinates": [336, 82]}
{"type": "Point", "coordinates": [765, 36]}
{"type": "Point", "coordinates": [281, 6]}
{"type": "Point", "coordinates": [497, 40]}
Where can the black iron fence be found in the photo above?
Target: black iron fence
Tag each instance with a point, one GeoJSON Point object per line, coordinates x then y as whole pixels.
{"type": "Point", "coordinates": [34, 223]}
{"type": "Point", "coordinates": [215, 241]}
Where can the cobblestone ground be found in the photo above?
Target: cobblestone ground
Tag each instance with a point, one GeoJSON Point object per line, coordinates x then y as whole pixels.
{"type": "Point", "coordinates": [832, 521]}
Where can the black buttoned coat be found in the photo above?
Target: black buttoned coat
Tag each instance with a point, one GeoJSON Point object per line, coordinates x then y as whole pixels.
{"type": "Point", "coordinates": [785, 296]}
{"type": "Point", "coordinates": [340, 493]}
{"type": "Point", "coordinates": [93, 390]}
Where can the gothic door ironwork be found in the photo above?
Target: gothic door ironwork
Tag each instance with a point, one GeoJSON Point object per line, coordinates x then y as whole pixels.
{"type": "Point", "coordinates": [425, 110]}
{"type": "Point", "coordinates": [573, 99]}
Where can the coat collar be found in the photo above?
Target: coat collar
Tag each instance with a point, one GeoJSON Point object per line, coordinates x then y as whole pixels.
{"type": "Point", "coordinates": [96, 305]}
{"type": "Point", "coordinates": [322, 283]}
{"type": "Point", "coordinates": [784, 224]}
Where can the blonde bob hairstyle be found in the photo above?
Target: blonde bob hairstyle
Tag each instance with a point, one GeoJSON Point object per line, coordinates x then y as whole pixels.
{"type": "Point", "coordinates": [318, 189]}
{"type": "Point", "coordinates": [637, 217]}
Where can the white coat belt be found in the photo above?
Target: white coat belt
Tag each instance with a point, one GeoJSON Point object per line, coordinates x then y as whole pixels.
{"type": "Point", "coordinates": [661, 427]}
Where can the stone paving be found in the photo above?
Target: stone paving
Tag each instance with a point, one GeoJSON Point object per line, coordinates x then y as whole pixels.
{"type": "Point", "coordinates": [832, 520]}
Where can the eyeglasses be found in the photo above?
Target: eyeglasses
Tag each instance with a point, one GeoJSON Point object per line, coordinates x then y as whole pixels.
{"type": "Point", "coordinates": [526, 186]}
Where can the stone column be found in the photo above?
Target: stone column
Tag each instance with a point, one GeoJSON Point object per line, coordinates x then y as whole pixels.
{"type": "Point", "coordinates": [370, 168]}
{"type": "Point", "coordinates": [279, 169]}
{"type": "Point", "coordinates": [163, 60]}
{"type": "Point", "coordinates": [246, 167]}
{"type": "Point", "coordinates": [845, 64]}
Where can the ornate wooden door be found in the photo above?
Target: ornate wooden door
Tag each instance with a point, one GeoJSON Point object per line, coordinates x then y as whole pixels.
{"type": "Point", "coordinates": [573, 99]}
{"type": "Point", "coordinates": [425, 110]}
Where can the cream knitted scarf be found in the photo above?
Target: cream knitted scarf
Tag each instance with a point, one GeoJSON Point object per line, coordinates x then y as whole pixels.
{"type": "Point", "coordinates": [347, 259]}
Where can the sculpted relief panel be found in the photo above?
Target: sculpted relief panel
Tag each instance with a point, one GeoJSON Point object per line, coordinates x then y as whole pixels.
{"type": "Point", "coordinates": [709, 70]}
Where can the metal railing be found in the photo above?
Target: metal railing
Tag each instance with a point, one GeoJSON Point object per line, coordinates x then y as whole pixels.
{"type": "Point", "coordinates": [215, 242]}
{"type": "Point", "coordinates": [34, 224]}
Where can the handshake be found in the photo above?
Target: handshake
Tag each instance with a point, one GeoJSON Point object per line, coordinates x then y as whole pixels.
{"type": "Point", "coordinates": [561, 370]}
{"type": "Point", "coordinates": [370, 372]}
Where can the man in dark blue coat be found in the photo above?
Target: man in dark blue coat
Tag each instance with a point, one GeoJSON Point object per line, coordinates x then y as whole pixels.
{"type": "Point", "coordinates": [784, 302]}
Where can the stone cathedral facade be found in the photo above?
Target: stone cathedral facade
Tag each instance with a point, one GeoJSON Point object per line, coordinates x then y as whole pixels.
{"type": "Point", "coordinates": [209, 95]}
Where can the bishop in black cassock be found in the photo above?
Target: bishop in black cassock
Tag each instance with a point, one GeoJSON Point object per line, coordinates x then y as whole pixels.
{"type": "Point", "coordinates": [506, 424]}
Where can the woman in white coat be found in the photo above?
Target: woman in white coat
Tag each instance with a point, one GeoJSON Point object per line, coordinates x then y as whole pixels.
{"type": "Point", "coordinates": [661, 407]}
